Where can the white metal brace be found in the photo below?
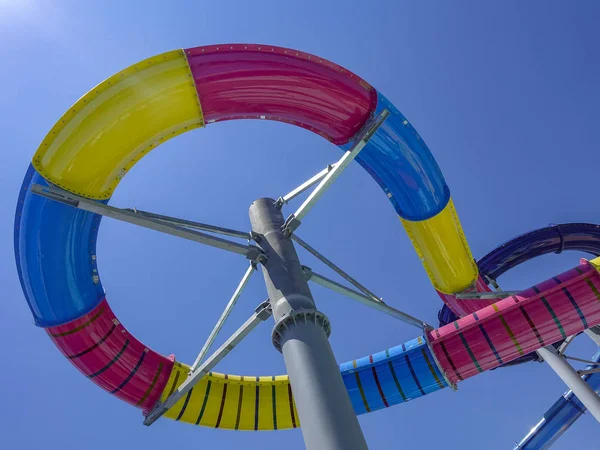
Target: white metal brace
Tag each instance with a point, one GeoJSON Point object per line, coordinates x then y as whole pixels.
{"type": "Point", "coordinates": [359, 297]}
{"type": "Point", "coordinates": [294, 220]}
{"type": "Point", "coordinates": [251, 252]}
{"type": "Point", "coordinates": [228, 308]}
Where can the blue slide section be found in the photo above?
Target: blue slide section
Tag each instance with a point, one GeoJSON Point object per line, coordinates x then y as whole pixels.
{"type": "Point", "coordinates": [55, 249]}
{"type": "Point", "coordinates": [393, 376]}
{"type": "Point", "coordinates": [400, 161]}
{"type": "Point", "coordinates": [559, 417]}
{"type": "Point", "coordinates": [583, 237]}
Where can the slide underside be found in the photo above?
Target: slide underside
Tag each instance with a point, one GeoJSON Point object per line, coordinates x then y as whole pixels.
{"type": "Point", "coordinates": [91, 148]}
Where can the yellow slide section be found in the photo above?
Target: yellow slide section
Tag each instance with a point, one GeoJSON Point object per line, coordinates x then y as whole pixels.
{"type": "Point", "coordinates": [595, 263]}
{"type": "Point", "coordinates": [233, 402]}
{"type": "Point", "coordinates": [114, 125]}
{"type": "Point", "coordinates": [443, 249]}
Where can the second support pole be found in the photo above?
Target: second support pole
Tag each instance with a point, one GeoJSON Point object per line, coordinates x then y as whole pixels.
{"type": "Point", "coordinates": [572, 379]}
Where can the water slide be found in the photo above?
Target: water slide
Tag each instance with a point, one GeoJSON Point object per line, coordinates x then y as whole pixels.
{"type": "Point", "coordinates": [92, 147]}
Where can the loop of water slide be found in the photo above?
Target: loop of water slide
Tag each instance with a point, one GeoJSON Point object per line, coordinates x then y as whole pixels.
{"type": "Point", "coordinates": [92, 147]}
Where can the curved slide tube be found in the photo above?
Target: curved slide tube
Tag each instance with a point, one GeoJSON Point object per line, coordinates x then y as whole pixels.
{"type": "Point", "coordinates": [555, 238]}
{"type": "Point", "coordinates": [91, 148]}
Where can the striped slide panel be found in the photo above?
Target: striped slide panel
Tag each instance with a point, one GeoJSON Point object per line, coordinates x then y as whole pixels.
{"type": "Point", "coordinates": [236, 402]}
{"type": "Point", "coordinates": [393, 376]}
{"type": "Point", "coordinates": [546, 313]}
{"type": "Point", "coordinates": [102, 349]}
{"type": "Point", "coordinates": [233, 402]}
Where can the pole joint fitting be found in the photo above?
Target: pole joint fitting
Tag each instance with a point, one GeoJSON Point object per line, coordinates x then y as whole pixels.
{"type": "Point", "coordinates": [296, 318]}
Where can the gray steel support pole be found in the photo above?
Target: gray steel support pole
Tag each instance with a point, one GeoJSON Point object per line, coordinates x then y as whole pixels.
{"type": "Point", "coordinates": [572, 379]}
{"type": "Point", "coordinates": [327, 419]}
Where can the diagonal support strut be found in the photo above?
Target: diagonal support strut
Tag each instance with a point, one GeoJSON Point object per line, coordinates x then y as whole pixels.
{"type": "Point", "coordinates": [262, 313]}
{"type": "Point", "coordinates": [493, 295]}
{"type": "Point", "coordinates": [294, 220]}
{"type": "Point", "coordinates": [336, 269]}
{"type": "Point", "coordinates": [251, 252]}
{"type": "Point", "coordinates": [228, 308]}
{"type": "Point", "coordinates": [365, 300]}
{"type": "Point", "coordinates": [304, 186]}
{"type": "Point", "coordinates": [194, 225]}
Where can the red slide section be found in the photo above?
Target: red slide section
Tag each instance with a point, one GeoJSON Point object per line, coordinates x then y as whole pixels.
{"type": "Point", "coordinates": [244, 81]}
{"type": "Point", "coordinates": [546, 313]}
{"type": "Point", "coordinates": [104, 351]}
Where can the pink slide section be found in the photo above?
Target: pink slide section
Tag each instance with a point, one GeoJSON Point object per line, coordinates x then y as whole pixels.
{"type": "Point", "coordinates": [546, 313]}
{"type": "Point", "coordinates": [245, 81]}
{"type": "Point", "coordinates": [464, 307]}
{"type": "Point", "coordinates": [104, 351]}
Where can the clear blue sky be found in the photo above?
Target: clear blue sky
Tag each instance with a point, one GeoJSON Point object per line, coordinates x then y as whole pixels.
{"type": "Point", "coordinates": [506, 95]}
